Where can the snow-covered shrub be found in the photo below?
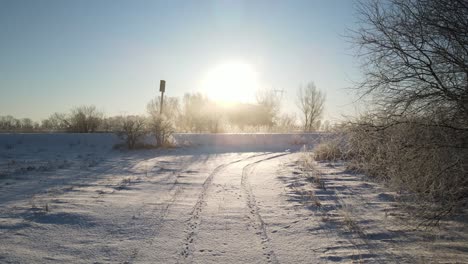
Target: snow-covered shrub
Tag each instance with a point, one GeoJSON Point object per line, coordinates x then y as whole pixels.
{"type": "Point", "coordinates": [84, 119]}
{"type": "Point", "coordinates": [425, 162]}
{"type": "Point", "coordinates": [328, 151]}
{"type": "Point", "coordinates": [332, 149]}
{"type": "Point", "coordinates": [132, 130]}
{"type": "Point", "coordinates": [162, 129]}
{"type": "Point", "coordinates": [162, 125]}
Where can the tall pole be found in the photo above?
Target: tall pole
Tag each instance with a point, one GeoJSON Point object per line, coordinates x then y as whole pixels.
{"type": "Point", "coordinates": [162, 100]}
{"type": "Point", "coordinates": [162, 89]}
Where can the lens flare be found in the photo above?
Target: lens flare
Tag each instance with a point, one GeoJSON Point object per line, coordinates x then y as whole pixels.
{"type": "Point", "coordinates": [231, 82]}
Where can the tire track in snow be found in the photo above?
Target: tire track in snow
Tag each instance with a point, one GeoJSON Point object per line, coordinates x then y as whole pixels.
{"type": "Point", "coordinates": [195, 218]}
{"type": "Point", "coordinates": [255, 217]}
{"type": "Point", "coordinates": [161, 218]}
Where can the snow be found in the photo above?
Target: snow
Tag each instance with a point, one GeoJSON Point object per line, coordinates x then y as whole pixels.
{"type": "Point", "coordinates": [252, 141]}
{"type": "Point", "coordinates": [234, 198]}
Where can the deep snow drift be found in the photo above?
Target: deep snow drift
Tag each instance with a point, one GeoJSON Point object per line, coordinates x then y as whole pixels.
{"type": "Point", "coordinates": [68, 198]}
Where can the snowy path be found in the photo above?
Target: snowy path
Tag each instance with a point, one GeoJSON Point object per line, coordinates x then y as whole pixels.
{"type": "Point", "coordinates": [188, 206]}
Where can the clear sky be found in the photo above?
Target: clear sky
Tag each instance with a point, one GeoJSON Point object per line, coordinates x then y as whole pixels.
{"type": "Point", "coordinates": [58, 54]}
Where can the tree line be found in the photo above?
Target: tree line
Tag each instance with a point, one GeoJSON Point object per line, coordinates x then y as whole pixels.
{"type": "Point", "coordinates": [193, 113]}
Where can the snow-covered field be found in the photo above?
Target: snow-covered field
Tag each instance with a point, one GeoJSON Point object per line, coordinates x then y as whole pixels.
{"type": "Point", "coordinates": [68, 198]}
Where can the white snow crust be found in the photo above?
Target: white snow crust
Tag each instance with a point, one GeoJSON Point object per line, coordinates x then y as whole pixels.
{"type": "Point", "coordinates": [222, 198]}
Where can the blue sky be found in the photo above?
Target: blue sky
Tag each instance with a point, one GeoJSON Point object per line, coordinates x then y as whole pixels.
{"type": "Point", "coordinates": [58, 54]}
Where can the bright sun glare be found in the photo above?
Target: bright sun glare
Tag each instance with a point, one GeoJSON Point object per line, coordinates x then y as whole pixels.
{"type": "Point", "coordinates": [231, 82]}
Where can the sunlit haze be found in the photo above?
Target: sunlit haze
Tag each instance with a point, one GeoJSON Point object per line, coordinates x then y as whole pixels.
{"type": "Point", "coordinates": [59, 54]}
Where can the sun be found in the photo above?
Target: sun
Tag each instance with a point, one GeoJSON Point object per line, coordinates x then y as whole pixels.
{"type": "Point", "coordinates": [231, 82]}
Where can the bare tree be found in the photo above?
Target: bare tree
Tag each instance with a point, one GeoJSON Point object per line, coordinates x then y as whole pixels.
{"type": "Point", "coordinates": [199, 114]}
{"type": "Point", "coordinates": [8, 123]}
{"type": "Point", "coordinates": [82, 119]}
{"type": "Point", "coordinates": [171, 107]}
{"type": "Point", "coordinates": [311, 104]}
{"type": "Point", "coordinates": [286, 122]}
{"type": "Point", "coordinates": [270, 104]}
{"type": "Point", "coordinates": [415, 62]}
{"type": "Point", "coordinates": [85, 119]}
{"type": "Point", "coordinates": [27, 125]}
{"type": "Point", "coordinates": [415, 58]}
{"type": "Point", "coordinates": [56, 122]}
{"type": "Point", "coordinates": [11, 124]}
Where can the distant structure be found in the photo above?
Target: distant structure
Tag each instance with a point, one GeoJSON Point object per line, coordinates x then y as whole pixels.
{"type": "Point", "coordinates": [280, 92]}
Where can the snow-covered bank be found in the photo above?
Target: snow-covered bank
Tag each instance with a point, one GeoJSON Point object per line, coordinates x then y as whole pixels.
{"type": "Point", "coordinates": [23, 152]}
{"type": "Point", "coordinates": [253, 141]}
{"type": "Point", "coordinates": [57, 140]}
{"type": "Point", "coordinates": [105, 141]}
